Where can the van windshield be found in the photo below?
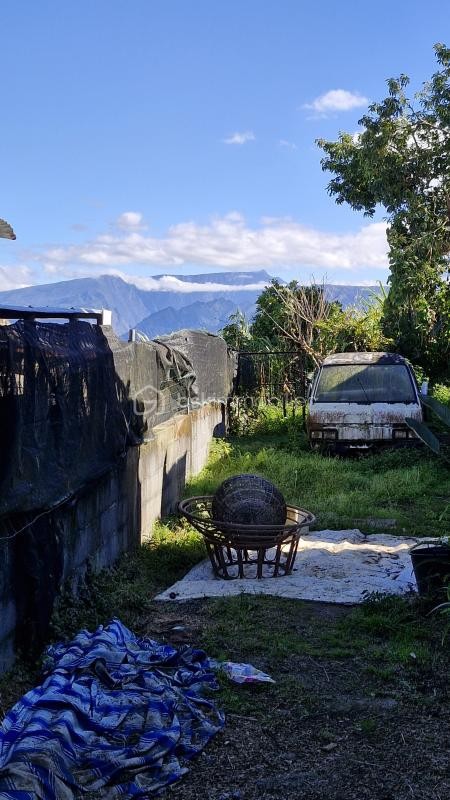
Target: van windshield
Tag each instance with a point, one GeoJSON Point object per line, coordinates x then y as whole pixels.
{"type": "Point", "coordinates": [365, 383]}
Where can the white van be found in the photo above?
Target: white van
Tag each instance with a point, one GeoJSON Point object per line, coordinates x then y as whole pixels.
{"type": "Point", "coordinates": [360, 400]}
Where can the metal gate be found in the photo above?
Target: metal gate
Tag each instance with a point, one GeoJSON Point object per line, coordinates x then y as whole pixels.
{"type": "Point", "coordinates": [271, 377]}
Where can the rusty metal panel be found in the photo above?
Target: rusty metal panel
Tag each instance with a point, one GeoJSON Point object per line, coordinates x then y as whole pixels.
{"type": "Point", "coordinates": [364, 358]}
{"type": "Point", "coordinates": [375, 414]}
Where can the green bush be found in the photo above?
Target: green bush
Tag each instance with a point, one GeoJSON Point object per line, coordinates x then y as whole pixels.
{"type": "Point", "coordinates": [442, 393]}
{"type": "Point", "coordinates": [267, 420]}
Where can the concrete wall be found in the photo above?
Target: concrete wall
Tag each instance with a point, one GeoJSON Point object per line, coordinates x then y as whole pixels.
{"type": "Point", "coordinates": [93, 528]}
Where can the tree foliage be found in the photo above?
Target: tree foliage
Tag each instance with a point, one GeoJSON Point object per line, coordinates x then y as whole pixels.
{"type": "Point", "coordinates": [302, 319]}
{"type": "Point", "coordinates": [358, 328]}
{"type": "Point", "coordinates": [294, 313]}
{"type": "Point", "coordinates": [237, 333]}
{"type": "Point", "coordinates": [401, 161]}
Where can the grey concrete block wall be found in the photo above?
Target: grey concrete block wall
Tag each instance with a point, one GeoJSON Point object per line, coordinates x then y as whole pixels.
{"type": "Point", "coordinates": [92, 529]}
{"type": "Point", "coordinates": [178, 451]}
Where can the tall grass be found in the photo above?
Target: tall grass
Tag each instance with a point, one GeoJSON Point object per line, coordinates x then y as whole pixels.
{"type": "Point", "coordinates": [408, 487]}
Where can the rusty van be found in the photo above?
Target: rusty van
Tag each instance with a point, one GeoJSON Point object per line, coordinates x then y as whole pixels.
{"type": "Point", "coordinates": [359, 401]}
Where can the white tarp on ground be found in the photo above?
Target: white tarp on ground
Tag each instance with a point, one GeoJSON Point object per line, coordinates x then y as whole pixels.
{"type": "Point", "coordinates": [331, 566]}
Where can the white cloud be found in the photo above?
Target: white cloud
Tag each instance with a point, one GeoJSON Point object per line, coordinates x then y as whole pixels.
{"type": "Point", "coordinates": [130, 220]}
{"type": "Point", "coordinates": [356, 136]}
{"type": "Point", "coordinates": [231, 243]}
{"type": "Point", "coordinates": [337, 100]}
{"type": "Point", "coordinates": [286, 143]}
{"type": "Point", "coordinates": [168, 283]}
{"type": "Point", "coordinates": [361, 282]}
{"type": "Point", "coordinates": [14, 277]}
{"type": "Point", "coordinates": [240, 138]}
{"type": "Point", "coordinates": [161, 283]}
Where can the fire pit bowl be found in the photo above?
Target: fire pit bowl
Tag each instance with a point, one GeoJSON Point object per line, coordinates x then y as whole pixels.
{"type": "Point", "coordinates": [248, 500]}
{"type": "Point", "coordinates": [247, 551]}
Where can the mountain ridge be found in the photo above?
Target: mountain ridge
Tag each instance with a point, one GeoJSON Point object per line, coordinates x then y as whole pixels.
{"type": "Point", "coordinates": [158, 310]}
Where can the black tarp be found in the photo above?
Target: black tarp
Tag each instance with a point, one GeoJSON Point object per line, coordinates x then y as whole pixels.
{"type": "Point", "coordinates": [74, 396]}
{"type": "Point", "coordinates": [213, 363]}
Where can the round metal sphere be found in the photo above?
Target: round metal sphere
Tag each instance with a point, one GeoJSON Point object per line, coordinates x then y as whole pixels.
{"type": "Point", "coordinates": [248, 500]}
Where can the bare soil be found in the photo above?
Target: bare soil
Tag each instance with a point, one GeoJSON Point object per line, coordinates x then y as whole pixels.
{"type": "Point", "coordinates": [337, 726]}
{"type": "Point", "coordinates": [359, 711]}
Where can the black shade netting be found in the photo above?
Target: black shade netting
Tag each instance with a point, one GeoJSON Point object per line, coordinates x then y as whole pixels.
{"type": "Point", "coordinates": [73, 397]}
{"type": "Point", "coordinates": [213, 363]}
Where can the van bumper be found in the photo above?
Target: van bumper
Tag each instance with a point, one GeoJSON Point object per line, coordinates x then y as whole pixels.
{"type": "Point", "coordinates": [363, 445]}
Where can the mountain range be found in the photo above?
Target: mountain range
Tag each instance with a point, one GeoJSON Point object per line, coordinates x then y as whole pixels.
{"type": "Point", "coordinates": [160, 311]}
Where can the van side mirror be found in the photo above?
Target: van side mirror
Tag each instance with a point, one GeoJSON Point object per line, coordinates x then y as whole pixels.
{"type": "Point", "coordinates": [424, 388]}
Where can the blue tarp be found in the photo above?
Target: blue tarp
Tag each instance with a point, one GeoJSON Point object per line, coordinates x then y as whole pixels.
{"type": "Point", "coordinates": [116, 717]}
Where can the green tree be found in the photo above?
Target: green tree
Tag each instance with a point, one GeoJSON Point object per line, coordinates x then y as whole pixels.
{"type": "Point", "coordinates": [357, 328]}
{"type": "Point", "coordinates": [401, 161]}
{"type": "Point", "coordinates": [294, 314]}
{"type": "Point", "coordinates": [270, 313]}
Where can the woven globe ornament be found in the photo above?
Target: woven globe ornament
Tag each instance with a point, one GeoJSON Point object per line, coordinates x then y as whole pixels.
{"type": "Point", "coordinates": [248, 500]}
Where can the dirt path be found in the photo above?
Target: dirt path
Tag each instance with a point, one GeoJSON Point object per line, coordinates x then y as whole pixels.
{"type": "Point", "coordinates": [360, 707]}
{"type": "Point", "coordinates": [353, 714]}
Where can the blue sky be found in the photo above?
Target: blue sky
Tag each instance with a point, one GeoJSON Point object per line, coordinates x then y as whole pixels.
{"type": "Point", "coordinates": [150, 136]}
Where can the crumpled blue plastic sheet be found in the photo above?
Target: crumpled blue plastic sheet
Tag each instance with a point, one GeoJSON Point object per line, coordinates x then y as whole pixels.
{"type": "Point", "coordinates": [117, 717]}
